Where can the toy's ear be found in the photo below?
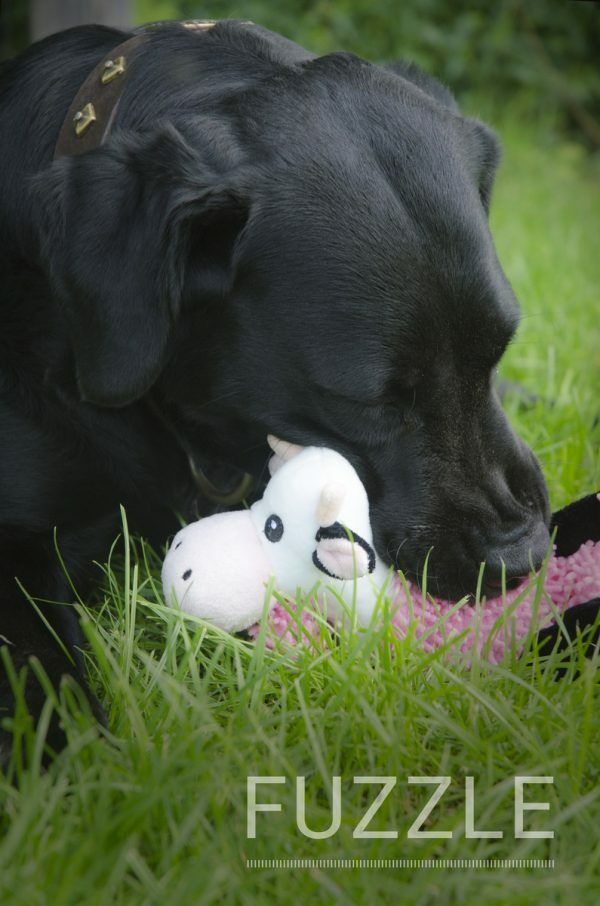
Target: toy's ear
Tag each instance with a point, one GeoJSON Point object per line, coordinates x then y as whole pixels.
{"type": "Point", "coordinates": [283, 450]}
{"type": "Point", "coordinates": [123, 229]}
{"type": "Point", "coordinates": [341, 554]}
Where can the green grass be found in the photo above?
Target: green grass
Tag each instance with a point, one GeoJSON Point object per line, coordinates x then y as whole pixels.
{"type": "Point", "coordinates": [154, 809]}
{"type": "Point", "coordinates": [545, 222]}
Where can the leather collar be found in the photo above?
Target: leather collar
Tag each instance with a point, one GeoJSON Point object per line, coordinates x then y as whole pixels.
{"type": "Point", "coordinates": [92, 112]}
{"type": "Point", "coordinates": [86, 126]}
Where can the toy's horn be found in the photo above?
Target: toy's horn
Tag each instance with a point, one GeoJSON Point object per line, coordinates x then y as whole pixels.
{"type": "Point", "coordinates": [283, 450]}
{"type": "Point", "coordinates": [330, 503]}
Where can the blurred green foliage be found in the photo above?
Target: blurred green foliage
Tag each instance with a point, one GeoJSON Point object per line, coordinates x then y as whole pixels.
{"type": "Point", "coordinates": [544, 51]}
{"type": "Point", "coordinates": [538, 56]}
{"type": "Point", "coordinates": [14, 28]}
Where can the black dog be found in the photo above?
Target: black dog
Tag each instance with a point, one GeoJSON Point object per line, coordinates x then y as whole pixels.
{"type": "Point", "coordinates": [266, 241]}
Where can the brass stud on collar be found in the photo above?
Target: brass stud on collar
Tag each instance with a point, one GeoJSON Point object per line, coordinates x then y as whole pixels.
{"type": "Point", "coordinates": [112, 69]}
{"type": "Point", "coordinates": [83, 119]}
{"type": "Point", "coordinates": [205, 24]}
{"type": "Point", "coordinates": [199, 24]}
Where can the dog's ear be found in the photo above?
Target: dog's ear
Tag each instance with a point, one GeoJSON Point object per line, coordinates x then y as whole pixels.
{"type": "Point", "coordinates": [481, 144]}
{"type": "Point", "coordinates": [118, 227]}
{"type": "Point", "coordinates": [482, 149]}
{"type": "Point", "coordinates": [427, 83]}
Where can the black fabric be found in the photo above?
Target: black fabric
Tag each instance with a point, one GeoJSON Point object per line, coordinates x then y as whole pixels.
{"type": "Point", "coordinates": [583, 621]}
{"type": "Point", "coordinates": [576, 523]}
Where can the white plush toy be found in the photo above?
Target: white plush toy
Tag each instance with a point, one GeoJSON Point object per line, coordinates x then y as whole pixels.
{"type": "Point", "coordinates": [309, 532]}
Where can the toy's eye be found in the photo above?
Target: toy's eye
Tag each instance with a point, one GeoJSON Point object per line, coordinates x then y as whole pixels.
{"type": "Point", "coordinates": [273, 528]}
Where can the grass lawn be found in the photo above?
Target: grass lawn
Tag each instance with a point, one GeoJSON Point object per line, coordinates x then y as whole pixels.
{"type": "Point", "coordinates": [154, 810]}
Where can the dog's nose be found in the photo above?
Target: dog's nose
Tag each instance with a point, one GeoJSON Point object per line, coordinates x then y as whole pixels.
{"type": "Point", "coordinates": [512, 561]}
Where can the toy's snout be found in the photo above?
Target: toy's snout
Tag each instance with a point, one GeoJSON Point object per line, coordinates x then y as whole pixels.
{"type": "Point", "coordinates": [217, 570]}
{"type": "Point", "coordinates": [342, 554]}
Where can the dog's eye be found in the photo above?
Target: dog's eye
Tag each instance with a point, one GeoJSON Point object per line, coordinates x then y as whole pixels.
{"type": "Point", "coordinates": [410, 380]}
{"type": "Point", "coordinates": [402, 390]}
{"type": "Point", "coordinates": [273, 528]}
{"type": "Point", "coordinates": [400, 397]}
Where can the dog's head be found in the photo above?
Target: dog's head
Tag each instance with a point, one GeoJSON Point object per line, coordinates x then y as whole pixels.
{"type": "Point", "coordinates": [312, 258]}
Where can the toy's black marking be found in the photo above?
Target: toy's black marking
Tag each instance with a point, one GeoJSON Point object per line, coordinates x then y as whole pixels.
{"type": "Point", "coordinates": [186, 575]}
{"type": "Point", "coordinates": [337, 530]}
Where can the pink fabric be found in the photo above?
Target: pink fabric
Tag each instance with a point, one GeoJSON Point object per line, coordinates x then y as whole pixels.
{"type": "Point", "coordinates": [569, 581]}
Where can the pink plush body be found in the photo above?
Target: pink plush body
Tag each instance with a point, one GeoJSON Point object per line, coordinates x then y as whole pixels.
{"type": "Point", "coordinates": [569, 581]}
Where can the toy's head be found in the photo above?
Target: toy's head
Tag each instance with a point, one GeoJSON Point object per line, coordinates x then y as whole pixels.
{"type": "Point", "coordinates": [314, 518]}
{"type": "Point", "coordinates": [310, 529]}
